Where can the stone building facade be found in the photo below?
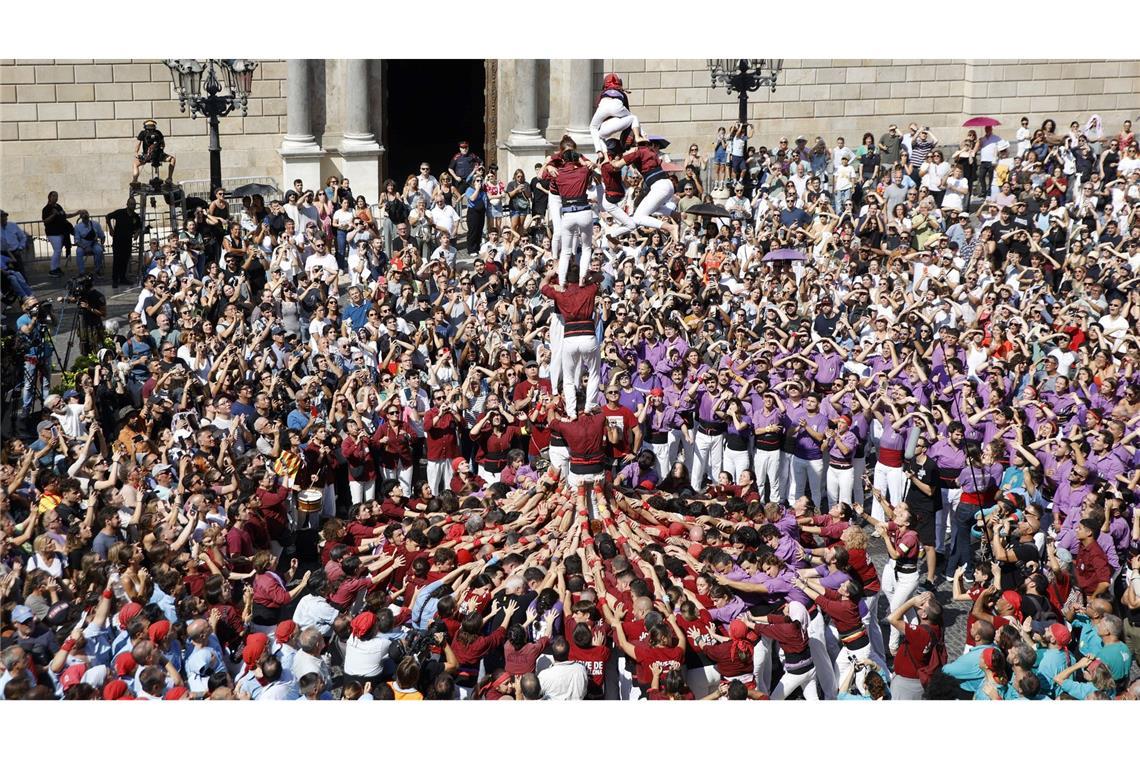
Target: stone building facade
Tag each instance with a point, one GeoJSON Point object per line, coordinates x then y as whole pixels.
{"type": "Point", "coordinates": [69, 125]}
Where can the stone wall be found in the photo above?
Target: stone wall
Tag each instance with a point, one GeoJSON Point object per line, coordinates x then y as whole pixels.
{"type": "Point", "coordinates": [673, 97]}
{"type": "Point", "coordinates": [70, 125]}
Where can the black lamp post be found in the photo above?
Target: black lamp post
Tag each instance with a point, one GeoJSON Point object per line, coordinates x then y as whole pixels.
{"type": "Point", "coordinates": [212, 97]}
{"type": "Point", "coordinates": [744, 75]}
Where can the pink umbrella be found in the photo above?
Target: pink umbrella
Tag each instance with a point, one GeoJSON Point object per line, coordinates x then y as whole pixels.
{"type": "Point", "coordinates": [981, 121]}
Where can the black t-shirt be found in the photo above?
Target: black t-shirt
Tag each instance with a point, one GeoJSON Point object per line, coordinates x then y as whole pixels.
{"type": "Point", "coordinates": [927, 472]}
{"type": "Point", "coordinates": [276, 223]}
{"type": "Point", "coordinates": [539, 197]}
{"type": "Point", "coordinates": [151, 137]}
{"type": "Point", "coordinates": [59, 225]}
{"type": "Point", "coordinates": [825, 325]}
{"type": "Point", "coordinates": [126, 223]}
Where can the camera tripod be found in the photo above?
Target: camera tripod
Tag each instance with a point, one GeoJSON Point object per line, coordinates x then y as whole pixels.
{"type": "Point", "coordinates": [35, 375]}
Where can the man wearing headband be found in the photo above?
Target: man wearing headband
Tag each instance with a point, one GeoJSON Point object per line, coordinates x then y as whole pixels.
{"type": "Point", "coordinates": [151, 149]}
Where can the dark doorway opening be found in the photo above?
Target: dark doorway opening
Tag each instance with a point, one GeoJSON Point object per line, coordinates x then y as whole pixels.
{"type": "Point", "coordinates": [431, 106]}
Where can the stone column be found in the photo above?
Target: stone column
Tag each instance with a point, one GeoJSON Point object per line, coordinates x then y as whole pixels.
{"type": "Point", "coordinates": [358, 147]}
{"type": "Point", "coordinates": [300, 153]}
{"type": "Point", "coordinates": [579, 79]}
{"type": "Point", "coordinates": [525, 145]}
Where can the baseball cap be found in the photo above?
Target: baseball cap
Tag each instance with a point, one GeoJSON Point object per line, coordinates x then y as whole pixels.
{"type": "Point", "coordinates": [21, 614]}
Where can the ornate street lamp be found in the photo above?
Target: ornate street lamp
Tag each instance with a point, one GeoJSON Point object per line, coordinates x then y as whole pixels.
{"type": "Point", "coordinates": [744, 75]}
{"type": "Point", "coordinates": [212, 88]}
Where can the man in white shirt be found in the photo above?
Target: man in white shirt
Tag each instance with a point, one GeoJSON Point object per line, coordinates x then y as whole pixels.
{"type": "Point", "coordinates": [564, 680]}
{"type": "Point", "coordinates": [310, 658]}
{"type": "Point", "coordinates": [427, 182]}
{"type": "Point", "coordinates": [443, 217]}
{"type": "Point", "coordinates": [838, 152]}
{"type": "Point", "coordinates": [987, 157]}
{"type": "Point", "coordinates": [1114, 324]}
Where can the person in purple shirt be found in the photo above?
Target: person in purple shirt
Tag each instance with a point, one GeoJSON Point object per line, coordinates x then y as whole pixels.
{"type": "Point", "coordinates": [737, 439]}
{"type": "Point", "coordinates": [828, 363]}
{"type": "Point", "coordinates": [708, 443]}
{"type": "Point", "coordinates": [644, 380]}
{"type": "Point", "coordinates": [808, 426]}
{"type": "Point", "coordinates": [1102, 461]}
{"type": "Point", "coordinates": [889, 476]}
{"type": "Point", "coordinates": [946, 348]}
{"type": "Point", "coordinates": [768, 428]}
{"type": "Point", "coordinates": [676, 397]}
{"type": "Point", "coordinates": [841, 445]}
{"type": "Point", "coordinates": [672, 339]}
{"type": "Point", "coordinates": [660, 421]}
{"type": "Point", "coordinates": [1068, 497]}
{"type": "Point", "coordinates": [786, 549]}
{"type": "Point", "coordinates": [978, 478]}
{"type": "Point", "coordinates": [949, 455]}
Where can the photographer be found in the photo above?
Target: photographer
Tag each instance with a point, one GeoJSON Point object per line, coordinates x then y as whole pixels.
{"type": "Point", "coordinates": [37, 352]}
{"type": "Point", "coordinates": [151, 149]}
{"type": "Point", "coordinates": [92, 306]}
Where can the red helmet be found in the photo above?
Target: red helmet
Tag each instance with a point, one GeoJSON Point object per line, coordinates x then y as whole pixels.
{"type": "Point", "coordinates": [612, 82]}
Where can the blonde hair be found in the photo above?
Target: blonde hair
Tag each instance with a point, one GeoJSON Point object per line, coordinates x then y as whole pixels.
{"type": "Point", "coordinates": [854, 538]}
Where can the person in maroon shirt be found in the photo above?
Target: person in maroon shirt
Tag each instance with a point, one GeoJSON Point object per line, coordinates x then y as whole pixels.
{"type": "Point", "coordinates": [625, 428]}
{"type": "Point", "coordinates": [589, 648]}
{"type": "Point", "coordinates": [658, 185]}
{"type": "Point", "coordinates": [666, 645]}
{"type": "Point", "coordinates": [1090, 565]}
{"type": "Point", "coordinates": [319, 469]}
{"type": "Point", "coordinates": [921, 645]}
{"type": "Point", "coordinates": [470, 645]}
{"type": "Point", "coordinates": [442, 424]}
{"type": "Point", "coordinates": [585, 438]}
{"type": "Point", "coordinates": [732, 654]}
{"type": "Point", "coordinates": [572, 183]}
{"type": "Point", "coordinates": [361, 467]}
{"type": "Point", "coordinates": [611, 192]}
{"type": "Point", "coordinates": [393, 439]}
{"type": "Point", "coordinates": [841, 605]}
{"type": "Point", "coordinates": [575, 304]}
{"type": "Point", "coordinates": [239, 543]}
{"type": "Point", "coordinates": [493, 435]}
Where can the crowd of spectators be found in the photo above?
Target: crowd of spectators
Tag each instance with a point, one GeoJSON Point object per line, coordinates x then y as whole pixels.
{"type": "Point", "coordinates": [325, 459]}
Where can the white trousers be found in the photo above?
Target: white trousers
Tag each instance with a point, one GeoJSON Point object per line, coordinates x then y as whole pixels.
{"type": "Point", "coordinates": [708, 457]}
{"type": "Point", "coordinates": [824, 665]}
{"type": "Point", "coordinates": [560, 459]}
{"type": "Point", "coordinates": [892, 482]}
{"type": "Point", "coordinates": [806, 473]}
{"type": "Point", "coordinates": [487, 476]}
{"type": "Point", "coordinates": [402, 474]}
{"type": "Point", "coordinates": [898, 587]}
{"type": "Point", "coordinates": [362, 490]}
{"type": "Point", "coordinates": [951, 498]}
{"type": "Point", "coordinates": [766, 468]}
{"type": "Point", "coordinates": [702, 681]}
{"type": "Point", "coordinates": [439, 475]}
{"type": "Point", "coordinates": [557, 327]}
{"type": "Point", "coordinates": [611, 118]}
{"type": "Point", "coordinates": [847, 659]}
{"type": "Point", "coordinates": [859, 466]}
{"type": "Point", "coordinates": [659, 194]}
{"type": "Point", "coordinates": [875, 627]}
{"type": "Point", "coordinates": [762, 655]}
{"type": "Point", "coordinates": [662, 452]}
{"type": "Point", "coordinates": [905, 689]}
{"type": "Point", "coordinates": [56, 242]}
{"type": "Point", "coordinates": [791, 681]}
{"type": "Point", "coordinates": [623, 221]}
{"type": "Point", "coordinates": [580, 352]}
{"type": "Point", "coordinates": [736, 462]}
{"type": "Point", "coordinates": [840, 486]}
{"type": "Point", "coordinates": [554, 206]}
{"type": "Point", "coordinates": [579, 224]}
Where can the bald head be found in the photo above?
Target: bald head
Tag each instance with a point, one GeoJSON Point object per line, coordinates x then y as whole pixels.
{"type": "Point", "coordinates": [198, 630]}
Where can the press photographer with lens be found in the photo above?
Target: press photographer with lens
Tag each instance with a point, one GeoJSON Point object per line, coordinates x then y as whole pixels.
{"type": "Point", "coordinates": [91, 310]}
{"type": "Point", "coordinates": [31, 329]}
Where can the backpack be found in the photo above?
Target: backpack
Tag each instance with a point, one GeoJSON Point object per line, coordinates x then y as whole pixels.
{"type": "Point", "coordinates": [933, 656]}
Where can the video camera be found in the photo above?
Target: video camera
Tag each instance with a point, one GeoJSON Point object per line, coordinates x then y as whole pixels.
{"type": "Point", "coordinates": [79, 287]}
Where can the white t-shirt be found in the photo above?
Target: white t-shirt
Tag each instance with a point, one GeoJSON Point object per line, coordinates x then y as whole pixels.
{"type": "Point", "coordinates": [988, 152]}
{"type": "Point", "coordinates": [956, 190]}
{"type": "Point", "coordinates": [934, 174]}
{"type": "Point", "coordinates": [343, 218]}
{"type": "Point", "coordinates": [365, 658]}
{"type": "Point", "coordinates": [445, 217]}
{"type": "Point", "coordinates": [1114, 329]}
{"type": "Point", "coordinates": [844, 178]}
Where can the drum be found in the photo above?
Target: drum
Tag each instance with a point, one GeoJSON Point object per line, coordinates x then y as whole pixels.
{"type": "Point", "coordinates": [309, 500]}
